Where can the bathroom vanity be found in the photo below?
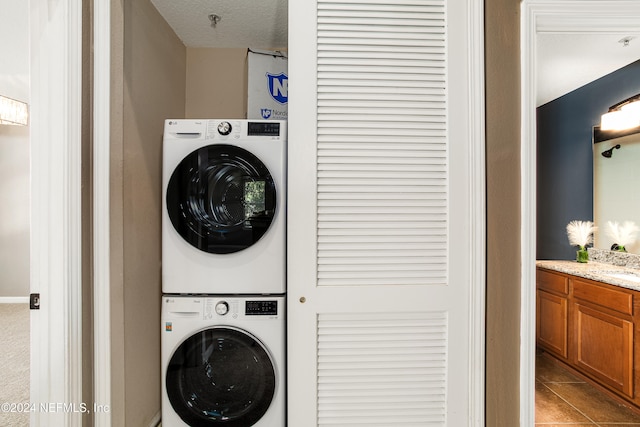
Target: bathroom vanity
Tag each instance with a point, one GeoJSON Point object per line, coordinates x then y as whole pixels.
{"type": "Point", "coordinates": [588, 317]}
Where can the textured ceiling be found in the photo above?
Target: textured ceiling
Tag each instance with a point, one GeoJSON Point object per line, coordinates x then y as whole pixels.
{"type": "Point", "coordinates": [566, 61]}
{"type": "Point", "coordinates": [245, 23]}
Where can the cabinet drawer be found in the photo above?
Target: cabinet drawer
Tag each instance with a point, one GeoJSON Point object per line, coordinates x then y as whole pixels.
{"type": "Point", "coordinates": [552, 282]}
{"type": "Point", "coordinates": [615, 299]}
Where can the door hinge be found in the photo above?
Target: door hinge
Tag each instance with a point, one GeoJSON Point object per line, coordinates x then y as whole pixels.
{"type": "Point", "coordinates": [34, 302]}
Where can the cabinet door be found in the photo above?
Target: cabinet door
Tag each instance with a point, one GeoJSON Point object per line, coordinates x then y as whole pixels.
{"type": "Point", "coordinates": [551, 323]}
{"type": "Point", "coordinates": [385, 213]}
{"type": "Point", "coordinates": [604, 347]}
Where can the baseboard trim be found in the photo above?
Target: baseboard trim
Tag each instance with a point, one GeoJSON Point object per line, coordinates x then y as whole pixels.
{"type": "Point", "coordinates": [14, 300]}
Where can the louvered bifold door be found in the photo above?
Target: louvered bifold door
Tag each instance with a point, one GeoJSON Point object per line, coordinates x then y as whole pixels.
{"type": "Point", "coordinates": [382, 146]}
{"type": "Point", "coordinates": [380, 213]}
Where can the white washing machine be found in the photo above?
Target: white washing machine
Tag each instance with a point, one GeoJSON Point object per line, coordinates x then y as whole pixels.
{"type": "Point", "coordinates": [223, 361]}
{"type": "Point", "coordinates": [223, 222]}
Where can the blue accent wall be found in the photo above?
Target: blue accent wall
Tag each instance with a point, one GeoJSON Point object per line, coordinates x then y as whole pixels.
{"type": "Point", "coordinates": [565, 157]}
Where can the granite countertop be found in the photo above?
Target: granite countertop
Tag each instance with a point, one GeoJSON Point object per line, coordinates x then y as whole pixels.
{"type": "Point", "coordinates": [598, 271]}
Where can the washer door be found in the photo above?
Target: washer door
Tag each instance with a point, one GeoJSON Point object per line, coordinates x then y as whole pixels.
{"type": "Point", "coordinates": [221, 376]}
{"type": "Point", "coordinates": [221, 199]}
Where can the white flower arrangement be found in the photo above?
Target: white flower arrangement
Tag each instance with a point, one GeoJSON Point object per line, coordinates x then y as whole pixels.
{"type": "Point", "coordinates": [622, 235]}
{"type": "Point", "coordinates": [580, 233]}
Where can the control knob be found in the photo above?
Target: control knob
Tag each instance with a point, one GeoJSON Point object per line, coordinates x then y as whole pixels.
{"type": "Point", "coordinates": [224, 128]}
{"type": "Point", "coordinates": [222, 308]}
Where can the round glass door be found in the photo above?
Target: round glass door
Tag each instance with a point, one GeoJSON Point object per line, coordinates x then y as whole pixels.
{"type": "Point", "coordinates": [221, 199]}
{"type": "Point", "coordinates": [220, 376]}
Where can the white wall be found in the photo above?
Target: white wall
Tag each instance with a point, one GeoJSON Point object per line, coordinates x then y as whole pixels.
{"type": "Point", "coordinates": [14, 45]}
{"type": "Point", "coordinates": [14, 152]}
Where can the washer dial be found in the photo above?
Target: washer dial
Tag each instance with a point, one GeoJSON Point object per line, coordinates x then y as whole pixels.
{"type": "Point", "coordinates": [222, 308]}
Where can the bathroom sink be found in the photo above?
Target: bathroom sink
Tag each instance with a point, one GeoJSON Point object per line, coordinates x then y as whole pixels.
{"type": "Point", "coordinates": [621, 275]}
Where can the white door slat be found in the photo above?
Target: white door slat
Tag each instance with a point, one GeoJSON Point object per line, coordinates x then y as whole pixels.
{"type": "Point", "coordinates": [371, 4]}
{"type": "Point", "coordinates": [417, 379]}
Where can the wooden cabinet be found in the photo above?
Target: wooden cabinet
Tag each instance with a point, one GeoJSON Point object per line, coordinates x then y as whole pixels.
{"type": "Point", "coordinates": [603, 333]}
{"type": "Point", "coordinates": [590, 326]}
{"type": "Point", "coordinates": [551, 322]}
{"type": "Point", "coordinates": [552, 313]}
{"type": "Point", "coordinates": [604, 347]}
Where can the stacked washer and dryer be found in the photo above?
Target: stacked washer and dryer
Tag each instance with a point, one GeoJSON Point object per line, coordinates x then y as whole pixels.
{"type": "Point", "coordinates": [223, 273]}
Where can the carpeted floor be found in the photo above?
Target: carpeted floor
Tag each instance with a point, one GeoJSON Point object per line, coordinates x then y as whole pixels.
{"type": "Point", "coordinates": [14, 362]}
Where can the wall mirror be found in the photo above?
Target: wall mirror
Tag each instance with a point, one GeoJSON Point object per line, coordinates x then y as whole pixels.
{"type": "Point", "coordinates": [616, 187]}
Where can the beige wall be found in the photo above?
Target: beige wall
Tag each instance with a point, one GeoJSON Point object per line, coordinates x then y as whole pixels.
{"type": "Point", "coordinates": [87, 217]}
{"type": "Point", "coordinates": [116, 219]}
{"type": "Point", "coordinates": [148, 86]}
{"type": "Point", "coordinates": [502, 21]}
{"type": "Point", "coordinates": [216, 83]}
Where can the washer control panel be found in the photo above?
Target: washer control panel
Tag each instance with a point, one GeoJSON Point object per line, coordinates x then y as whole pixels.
{"type": "Point", "coordinates": [215, 307]}
{"type": "Point", "coordinates": [261, 308]}
{"type": "Point", "coordinates": [250, 308]}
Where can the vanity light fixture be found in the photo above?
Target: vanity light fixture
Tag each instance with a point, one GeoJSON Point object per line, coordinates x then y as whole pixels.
{"type": "Point", "coordinates": [13, 112]}
{"type": "Point", "coordinates": [623, 115]}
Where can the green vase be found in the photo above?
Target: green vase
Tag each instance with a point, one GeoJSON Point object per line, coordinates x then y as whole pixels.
{"type": "Point", "coordinates": [582, 255]}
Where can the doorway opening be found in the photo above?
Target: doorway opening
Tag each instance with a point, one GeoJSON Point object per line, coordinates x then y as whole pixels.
{"type": "Point", "coordinates": [14, 210]}
{"type": "Point", "coordinates": [544, 17]}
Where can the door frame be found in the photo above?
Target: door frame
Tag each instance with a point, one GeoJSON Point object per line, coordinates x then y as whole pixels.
{"type": "Point", "coordinates": [56, 210]}
{"type": "Point", "coordinates": [56, 250]}
{"type": "Point", "coordinates": [101, 121]}
{"type": "Point", "coordinates": [539, 17]}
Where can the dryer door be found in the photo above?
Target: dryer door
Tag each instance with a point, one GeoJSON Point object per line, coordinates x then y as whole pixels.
{"type": "Point", "coordinates": [221, 376]}
{"type": "Point", "coordinates": [221, 199]}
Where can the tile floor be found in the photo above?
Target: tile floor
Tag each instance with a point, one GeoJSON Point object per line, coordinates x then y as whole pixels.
{"type": "Point", "coordinates": [562, 399]}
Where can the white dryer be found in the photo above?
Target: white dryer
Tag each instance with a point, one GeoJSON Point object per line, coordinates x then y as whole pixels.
{"type": "Point", "coordinates": [223, 361]}
{"type": "Point", "coordinates": [223, 222]}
